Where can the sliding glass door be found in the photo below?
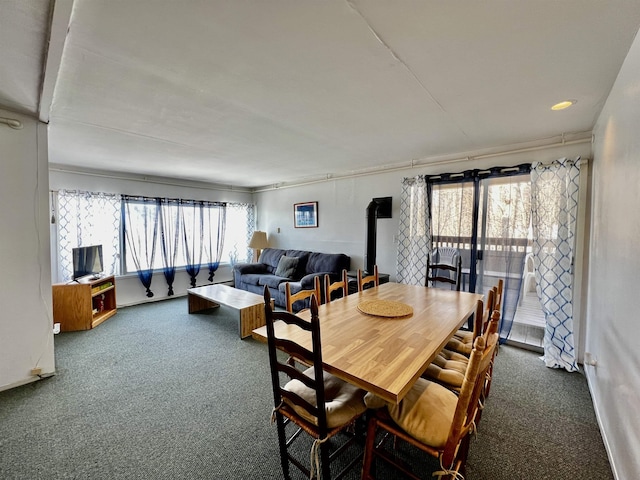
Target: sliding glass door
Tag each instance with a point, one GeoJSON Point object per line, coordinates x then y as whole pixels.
{"type": "Point", "coordinates": [485, 216]}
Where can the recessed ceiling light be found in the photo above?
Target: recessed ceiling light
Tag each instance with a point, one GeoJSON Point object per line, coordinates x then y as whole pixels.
{"type": "Point", "coordinates": [563, 105]}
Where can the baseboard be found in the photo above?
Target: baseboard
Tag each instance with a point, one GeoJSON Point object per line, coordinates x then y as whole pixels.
{"type": "Point", "coordinates": [178, 295]}
{"type": "Point", "coordinates": [603, 433]}
{"type": "Point", "coordinates": [525, 346]}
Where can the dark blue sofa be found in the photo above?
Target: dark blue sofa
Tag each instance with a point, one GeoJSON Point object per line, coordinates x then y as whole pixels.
{"type": "Point", "coordinates": [254, 276]}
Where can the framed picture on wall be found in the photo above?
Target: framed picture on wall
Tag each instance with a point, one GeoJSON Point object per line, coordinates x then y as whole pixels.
{"type": "Point", "coordinates": [305, 215]}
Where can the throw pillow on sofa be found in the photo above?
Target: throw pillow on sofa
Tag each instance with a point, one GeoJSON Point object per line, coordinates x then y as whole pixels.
{"type": "Point", "coordinates": [286, 266]}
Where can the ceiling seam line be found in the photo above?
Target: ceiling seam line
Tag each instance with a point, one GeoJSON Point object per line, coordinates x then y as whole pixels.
{"type": "Point", "coordinates": [402, 62]}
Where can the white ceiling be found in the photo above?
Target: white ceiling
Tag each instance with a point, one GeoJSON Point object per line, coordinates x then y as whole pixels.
{"type": "Point", "coordinates": [253, 93]}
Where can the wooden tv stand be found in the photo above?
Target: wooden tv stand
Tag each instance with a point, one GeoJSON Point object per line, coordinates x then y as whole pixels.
{"type": "Point", "coordinates": [84, 304]}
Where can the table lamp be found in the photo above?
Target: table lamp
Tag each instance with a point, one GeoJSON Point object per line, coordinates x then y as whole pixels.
{"type": "Point", "coordinates": [258, 242]}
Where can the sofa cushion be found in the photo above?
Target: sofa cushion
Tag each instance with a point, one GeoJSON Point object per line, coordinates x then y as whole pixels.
{"type": "Point", "coordinates": [270, 257]}
{"type": "Point", "coordinates": [294, 287]}
{"type": "Point", "coordinates": [303, 257]}
{"type": "Point", "coordinates": [247, 268]}
{"type": "Point", "coordinates": [252, 278]}
{"type": "Point", "coordinates": [286, 266]}
{"type": "Point", "coordinates": [272, 281]}
{"type": "Point", "coordinates": [327, 262]}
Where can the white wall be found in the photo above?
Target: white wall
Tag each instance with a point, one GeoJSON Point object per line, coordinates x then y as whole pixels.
{"type": "Point", "coordinates": [613, 322]}
{"type": "Point", "coordinates": [26, 321]}
{"type": "Point", "coordinates": [129, 289]}
{"type": "Point", "coordinates": [342, 206]}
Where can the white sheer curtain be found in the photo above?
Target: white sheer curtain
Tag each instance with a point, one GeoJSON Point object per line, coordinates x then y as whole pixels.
{"type": "Point", "coordinates": [88, 218]}
{"type": "Point", "coordinates": [414, 235]}
{"type": "Point", "coordinates": [554, 205]}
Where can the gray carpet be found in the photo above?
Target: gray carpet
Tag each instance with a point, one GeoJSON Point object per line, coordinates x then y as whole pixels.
{"type": "Point", "coordinates": [155, 393]}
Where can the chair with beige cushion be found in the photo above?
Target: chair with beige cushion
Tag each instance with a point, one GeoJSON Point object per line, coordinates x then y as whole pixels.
{"type": "Point", "coordinates": [449, 368]}
{"type": "Point", "coordinates": [311, 401]}
{"type": "Point", "coordinates": [329, 288]}
{"type": "Point", "coordinates": [462, 340]}
{"type": "Point", "coordinates": [499, 293]}
{"type": "Point", "coordinates": [291, 298]}
{"type": "Point", "coordinates": [364, 280]}
{"type": "Point", "coordinates": [432, 418]}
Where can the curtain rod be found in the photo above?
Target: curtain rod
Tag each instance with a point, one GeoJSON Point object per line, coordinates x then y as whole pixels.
{"type": "Point", "coordinates": [421, 163]}
{"type": "Point", "coordinates": [153, 180]}
{"type": "Point", "coordinates": [578, 161]}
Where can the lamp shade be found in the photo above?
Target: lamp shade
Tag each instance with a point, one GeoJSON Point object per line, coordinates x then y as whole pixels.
{"type": "Point", "coordinates": [259, 240]}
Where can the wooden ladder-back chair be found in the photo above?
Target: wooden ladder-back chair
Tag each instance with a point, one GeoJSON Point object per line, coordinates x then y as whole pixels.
{"type": "Point", "coordinates": [432, 418]}
{"type": "Point", "coordinates": [435, 275]}
{"type": "Point", "coordinates": [449, 368]}
{"type": "Point", "coordinates": [291, 298]}
{"type": "Point", "coordinates": [311, 401]}
{"type": "Point", "coordinates": [498, 308]}
{"type": "Point", "coordinates": [462, 340]}
{"type": "Point", "coordinates": [499, 292]}
{"type": "Point", "coordinates": [365, 280]}
{"type": "Point", "coordinates": [329, 287]}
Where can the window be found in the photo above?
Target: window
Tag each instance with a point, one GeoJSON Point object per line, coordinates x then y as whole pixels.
{"type": "Point", "coordinates": [83, 219]}
{"type": "Point", "coordinates": [178, 226]}
{"type": "Point", "coordinates": [196, 223]}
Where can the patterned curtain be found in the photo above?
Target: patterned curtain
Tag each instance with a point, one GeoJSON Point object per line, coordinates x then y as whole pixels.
{"type": "Point", "coordinates": [169, 236]}
{"type": "Point", "coordinates": [240, 225]}
{"type": "Point", "coordinates": [215, 219]}
{"type": "Point", "coordinates": [414, 235]}
{"type": "Point", "coordinates": [87, 218]}
{"type": "Point", "coordinates": [554, 205]}
{"type": "Point", "coordinates": [141, 241]}
{"type": "Point", "coordinates": [191, 213]}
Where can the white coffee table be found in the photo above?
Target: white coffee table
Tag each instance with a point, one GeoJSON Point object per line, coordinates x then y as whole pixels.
{"type": "Point", "coordinates": [249, 305]}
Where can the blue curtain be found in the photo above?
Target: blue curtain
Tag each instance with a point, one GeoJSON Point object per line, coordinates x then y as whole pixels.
{"type": "Point", "coordinates": [506, 220]}
{"type": "Point", "coordinates": [141, 240]}
{"type": "Point", "coordinates": [169, 236]}
{"type": "Point", "coordinates": [215, 217]}
{"type": "Point", "coordinates": [192, 217]}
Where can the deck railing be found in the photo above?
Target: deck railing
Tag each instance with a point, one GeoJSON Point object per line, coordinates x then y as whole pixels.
{"type": "Point", "coordinates": [499, 254]}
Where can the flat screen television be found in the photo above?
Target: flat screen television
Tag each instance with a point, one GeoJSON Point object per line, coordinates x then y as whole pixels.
{"type": "Point", "coordinates": [87, 261]}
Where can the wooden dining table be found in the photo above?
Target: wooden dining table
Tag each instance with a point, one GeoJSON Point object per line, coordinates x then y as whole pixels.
{"type": "Point", "coordinates": [384, 355]}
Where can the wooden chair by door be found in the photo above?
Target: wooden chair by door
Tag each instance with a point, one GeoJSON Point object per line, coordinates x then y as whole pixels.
{"type": "Point", "coordinates": [449, 367]}
{"type": "Point", "coordinates": [365, 280]}
{"type": "Point", "coordinates": [329, 288]}
{"type": "Point", "coordinates": [432, 418]}
{"type": "Point", "coordinates": [435, 273]}
{"type": "Point", "coordinates": [312, 400]}
{"type": "Point", "coordinates": [462, 340]}
{"type": "Point", "coordinates": [291, 298]}
{"type": "Point", "coordinates": [499, 292]}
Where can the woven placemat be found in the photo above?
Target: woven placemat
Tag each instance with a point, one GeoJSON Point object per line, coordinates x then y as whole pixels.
{"type": "Point", "coordinates": [385, 308]}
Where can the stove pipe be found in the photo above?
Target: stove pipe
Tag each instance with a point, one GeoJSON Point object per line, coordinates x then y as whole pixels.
{"type": "Point", "coordinates": [370, 245]}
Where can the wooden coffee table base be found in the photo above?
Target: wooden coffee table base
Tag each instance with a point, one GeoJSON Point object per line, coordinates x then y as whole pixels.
{"type": "Point", "coordinates": [249, 305]}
